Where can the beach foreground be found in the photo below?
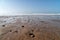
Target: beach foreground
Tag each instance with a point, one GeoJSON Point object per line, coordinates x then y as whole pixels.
{"type": "Point", "coordinates": [30, 27]}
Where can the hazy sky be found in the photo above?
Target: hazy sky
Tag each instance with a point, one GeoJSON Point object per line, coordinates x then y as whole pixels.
{"type": "Point", "coordinates": [29, 6]}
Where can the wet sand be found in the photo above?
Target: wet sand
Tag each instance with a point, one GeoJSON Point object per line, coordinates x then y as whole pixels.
{"type": "Point", "coordinates": [30, 27]}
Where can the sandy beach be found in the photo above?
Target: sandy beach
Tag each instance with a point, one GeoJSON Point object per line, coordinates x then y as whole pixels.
{"type": "Point", "coordinates": [30, 27]}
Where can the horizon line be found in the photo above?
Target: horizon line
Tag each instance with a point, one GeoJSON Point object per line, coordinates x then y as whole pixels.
{"type": "Point", "coordinates": [29, 14]}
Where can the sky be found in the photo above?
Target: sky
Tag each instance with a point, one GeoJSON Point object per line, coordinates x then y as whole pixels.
{"type": "Point", "coordinates": [8, 7]}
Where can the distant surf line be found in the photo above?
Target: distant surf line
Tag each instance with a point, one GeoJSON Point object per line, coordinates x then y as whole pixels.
{"type": "Point", "coordinates": [28, 14]}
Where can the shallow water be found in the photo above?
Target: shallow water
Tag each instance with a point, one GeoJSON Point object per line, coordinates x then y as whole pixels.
{"type": "Point", "coordinates": [54, 19]}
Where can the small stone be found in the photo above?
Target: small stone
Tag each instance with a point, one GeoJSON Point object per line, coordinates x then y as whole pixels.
{"type": "Point", "coordinates": [32, 35]}
{"type": "Point", "coordinates": [10, 30]}
{"type": "Point", "coordinates": [22, 26]}
{"type": "Point", "coordinates": [16, 31]}
{"type": "Point", "coordinates": [3, 25]}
